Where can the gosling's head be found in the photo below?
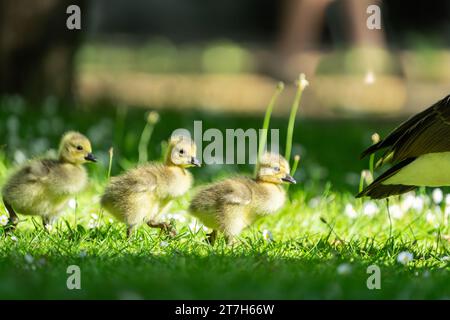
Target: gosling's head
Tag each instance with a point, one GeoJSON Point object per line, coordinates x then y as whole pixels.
{"type": "Point", "coordinates": [182, 152]}
{"type": "Point", "coordinates": [75, 148]}
{"type": "Point", "coordinates": [273, 168]}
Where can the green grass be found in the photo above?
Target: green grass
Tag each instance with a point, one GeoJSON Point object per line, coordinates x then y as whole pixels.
{"type": "Point", "coordinates": [306, 258]}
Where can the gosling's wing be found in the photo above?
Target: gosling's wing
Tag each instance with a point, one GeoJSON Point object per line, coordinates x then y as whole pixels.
{"type": "Point", "coordinates": [135, 181]}
{"type": "Point", "coordinates": [37, 170]}
{"type": "Point", "coordinates": [426, 132]}
{"type": "Point", "coordinates": [216, 196]}
{"type": "Point", "coordinates": [237, 192]}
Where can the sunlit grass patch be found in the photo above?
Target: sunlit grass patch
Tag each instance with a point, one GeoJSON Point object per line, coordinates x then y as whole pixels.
{"type": "Point", "coordinates": [319, 246]}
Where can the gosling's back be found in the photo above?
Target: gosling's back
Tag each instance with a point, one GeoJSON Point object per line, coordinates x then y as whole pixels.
{"type": "Point", "coordinates": [42, 186]}
{"type": "Point", "coordinates": [139, 193]}
{"type": "Point", "coordinates": [237, 198]}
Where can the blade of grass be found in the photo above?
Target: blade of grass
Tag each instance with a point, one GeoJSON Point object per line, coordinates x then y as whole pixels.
{"type": "Point", "coordinates": [301, 84]}
{"type": "Point", "coordinates": [146, 135]}
{"type": "Point", "coordinates": [266, 123]}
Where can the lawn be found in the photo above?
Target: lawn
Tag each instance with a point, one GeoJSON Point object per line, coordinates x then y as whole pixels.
{"type": "Point", "coordinates": [318, 247]}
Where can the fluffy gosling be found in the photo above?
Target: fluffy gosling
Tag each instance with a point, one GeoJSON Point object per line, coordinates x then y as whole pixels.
{"type": "Point", "coordinates": [232, 205]}
{"type": "Point", "coordinates": [141, 194]}
{"type": "Point", "coordinates": [42, 187]}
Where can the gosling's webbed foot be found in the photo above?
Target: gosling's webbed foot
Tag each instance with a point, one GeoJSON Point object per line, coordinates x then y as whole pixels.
{"type": "Point", "coordinates": [165, 227]}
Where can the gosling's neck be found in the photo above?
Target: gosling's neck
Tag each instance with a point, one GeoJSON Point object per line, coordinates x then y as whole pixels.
{"type": "Point", "coordinates": [64, 160]}
{"type": "Point", "coordinates": [169, 163]}
{"type": "Point", "coordinates": [266, 183]}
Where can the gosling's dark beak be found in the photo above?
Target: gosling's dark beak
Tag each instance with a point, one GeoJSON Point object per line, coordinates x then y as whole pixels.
{"type": "Point", "coordinates": [195, 162]}
{"type": "Point", "coordinates": [289, 178]}
{"type": "Point", "coordinates": [90, 157]}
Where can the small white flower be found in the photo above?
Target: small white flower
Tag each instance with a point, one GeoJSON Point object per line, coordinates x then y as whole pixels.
{"type": "Point", "coordinates": [267, 235]}
{"type": "Point", "coordinates": [194, 226]}
{"type": "Point", "coordinates": [3, 220]}
{"type": "Point", "coordinates": [370, 208]}
{"type": "Point", "coordinates": [314, 202]}
{"type": "Point", "coordinates": [302, 82]}
{"type": "Point", "coordinates": [396, 211]}
{"type": "Point", "coordinates": [29, 258]}
{"type": "Point", "coordinates": [405, 257]}
{"type": "Point", "coordinates": [14, 238]}
{"type": "Point", "coordinates": [94, 216]}
{"type": "Point", "coordinates": [408, 202]}
{"type": "Point", "coordinates": [111, 220]}
{"type": "Point", "coordinates": [437, 196]}
{"type": "Point", "coordinates": [72, 203]}
{"type": "Point", "coordinates": [163, 244]}
{"type": "Point", "coordinates": [418, 203]}
{"type": "Point", "coordinates": [447, 199]}
{"type": "Point", "coordinates": [344, 269]}
{"type": "Point", "coordinates": [49, 227]}
{"type": "Point", "coordinates": [350, 211]}
{"type": "Point", "coordinates": [445, 258]}
{"type": "Point", "coordinates": [93, 224]}
{"type": "Point", "coordinates": [431, 217]}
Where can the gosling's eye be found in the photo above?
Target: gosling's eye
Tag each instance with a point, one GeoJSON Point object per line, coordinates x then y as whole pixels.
{"type": "Point", "coordinates": [277, 169]}
{"type": "Point", "coordinates": [181, 151]}
{"type": "Point", "coordinates": [79, 148]}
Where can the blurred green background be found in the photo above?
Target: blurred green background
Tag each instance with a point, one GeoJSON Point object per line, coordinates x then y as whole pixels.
{"type": "Point", "coordinates": [220, 62]}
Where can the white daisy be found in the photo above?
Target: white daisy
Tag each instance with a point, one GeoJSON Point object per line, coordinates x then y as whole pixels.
{"type": "Point", "coordinates": [396, 211]}
{"type": "Point", "coordinates": [405, 257]}
{"type": "Point", "coordinates": [370, 208]}
{"type": "Point", "coordinates": [437, 196]}
{"type": "Point", "coordinates": [267, 235]}
{"type": "Point", "coordinates": [93, 224]}
{"type": "Point", "coordinates": [350, 211]}
{"type": "Point", "coordinates": [418, 203]}
{"type": "Point", "coordinates": [94, 216]}
{"type": "Point", "coordinates": [3, 220]}
{"type": "Point", "coordinates": [447, 199]}
{"type": "Point", "coordinates": [194, 226]}
{"type": "Point", "coordinates": [408, 202]}
{"type": "Point", "coordinates": [72, 203]}
{"type": "Point", "coordinates": [344, 269]}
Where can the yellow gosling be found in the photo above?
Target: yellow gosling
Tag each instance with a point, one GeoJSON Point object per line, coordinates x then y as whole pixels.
{"type": "Point", "coordinates": [142, 194]}
{"type": "Point", "coordinates": [231, 205]}
{"type": "Point", "coordinates": [42, 187]}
